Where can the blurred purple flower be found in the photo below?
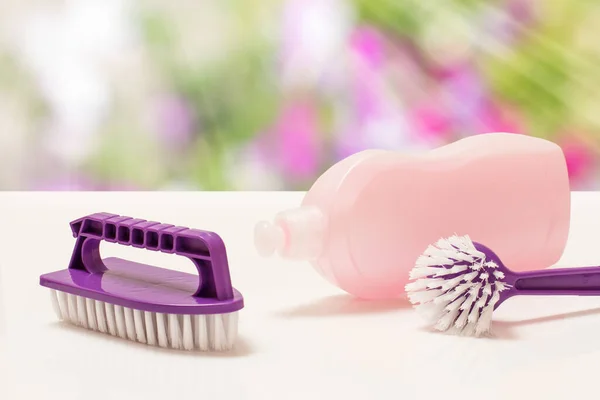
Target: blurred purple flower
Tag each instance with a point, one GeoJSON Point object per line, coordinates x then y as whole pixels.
{"type": "Point", "coordinates": [175, 119]}
{"type": "Point", "coordinates": [297, 129]}
{"type": "Point", "coordinates": [466, 94]}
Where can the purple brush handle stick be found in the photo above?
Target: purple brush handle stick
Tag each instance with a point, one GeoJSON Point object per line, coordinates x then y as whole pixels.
{"type": "Point", "coordinates": [550, 282]}
{"type": "Point", "coordinates": [205, 249]}
{"type": "Point", "coordinates": [563, 281]}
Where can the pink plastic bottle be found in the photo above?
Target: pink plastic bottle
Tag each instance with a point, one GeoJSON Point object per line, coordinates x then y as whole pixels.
{"type": "Point", "coordinates": [365, 221]}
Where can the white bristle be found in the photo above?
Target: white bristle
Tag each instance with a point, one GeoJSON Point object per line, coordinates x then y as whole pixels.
{"type": "Point", "coordinates": [120, 319]}
{"type": "Point", "coordinates": [64, 306]}
{"type": "Point", "coordinates": [161, 330]}
{"type": "Point", "coordinates": [201, 335]}
{"type": "Point", "coordinates": [91, 314]}
{"type": "Point", "coordinates": [72, 304]}
{"type": "Point", "coordinates": [215, 332]}
{"type": "Point", "coordinates": [150, 326]}
{"type": "Point", "coordinates": [138, 321]}
{"type": "Point", "coordinates": [461, 321]}
{"type": "Point", "coordinates": [482, 300]}
{"type": "Point", "coordinates": [81, 312]}
{"type": "Point", "coordinates": [451, 271]}
{"type": "Point", "coordinates": [231, 321]}
{"type": "Point", "coordinates": [101, 317]}
{"type": "Point", "coordinates": [422, 272]}
{"type": "Point", "coordinates": [175, 338]}
{"type": "Point", "coordinates": [446, 321]}
{"type": "Point", "coordinates": [469, 300]}
{"type": "Point", "coordinates": [188, 334]}
{"type": "Point", "coordinates": [110, 319]}
{"type": "Point", "coordinates": [424, 296]}
{"type": "Point", "coordinates": [455, 305]}
{"type": "Point", "coordinates": [470, 276]}
{"type": "Point", "coordinates": [499, 274]}
{"type": "Point", "coordinates": [129, 324]}
{"type": "Point", "coordinates": [55, 304]}
{"type": "Point", "coordinates": [453, 283]}
{"type": "Point", "coordinates": [425, 284]}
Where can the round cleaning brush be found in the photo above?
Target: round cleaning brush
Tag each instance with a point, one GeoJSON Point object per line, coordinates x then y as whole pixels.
{"type": "Point", "coordinates": [457, 284]}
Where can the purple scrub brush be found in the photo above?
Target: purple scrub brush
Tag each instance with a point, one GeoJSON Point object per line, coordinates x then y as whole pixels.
{"type": "Point", "coordinates": [144, 303]}
{"type": "Point", "coordinates": [457, 285]}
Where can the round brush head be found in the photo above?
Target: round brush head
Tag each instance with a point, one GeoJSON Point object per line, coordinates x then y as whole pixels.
{"type": "Point", "coordinates": [456, 286]}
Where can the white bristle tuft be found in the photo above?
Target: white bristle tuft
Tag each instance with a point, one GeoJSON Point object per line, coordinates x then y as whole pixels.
{"type": "Point", "coordinates": [101, 317]}
{"type": "Point", "coordinates": [91, 314]}
{"type": "Point", "coordinates": [422, 272]}
{"type": "Point", "coordinates": [215, 332]}
{"type": "Point", "coordinates": [455, 305]}
{"type": "Point", "coordinates": [161, 330]}
{"type": "Point", "coordinates": [138, 322]}
{"type": "Point", "coordinates": [120, 319]}
{"type": "Point", "coordinates": [451, 271]}
{"type": "Point", "coordinates": [110, 319]}
{"type": "Point", "coordinates": [175, 332]}
{"type": "Point", "coordinates": [129, 323]}
{"type": "Point", "coordinates": [81, 312]}
{"type": "Point", "coordinates": [150, 326]}
{"type": "Point", "coordinates": [456, 287]}
{"type": "Point", "coordinates": [424, 284]}
{"type": "Point", "coordinates": [201, 336]}
{"type": "Point", "coordinates": [64, 306]}
{"type": "Point", "coordinates": [55, 304]}
{"type": "Point", "coordinates": [446, 321]}
{"type": "Point", "coordinates": [188, 333]}
{"type": "Point", "coordinates": [72, 304]}
{"type": "Point", "coordinates": [424, 296]}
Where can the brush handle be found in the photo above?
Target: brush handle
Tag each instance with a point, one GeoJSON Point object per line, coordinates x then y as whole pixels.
{"type": "Point", "coordinates": [563, 281]}
{"type": "Point", "coordinates": [205, 249]}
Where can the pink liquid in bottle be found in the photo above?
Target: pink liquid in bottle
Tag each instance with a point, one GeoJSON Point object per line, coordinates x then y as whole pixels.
{"type": "Point", "coordinates": [365, 221]}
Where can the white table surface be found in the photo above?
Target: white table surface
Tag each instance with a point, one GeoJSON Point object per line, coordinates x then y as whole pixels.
{"type": "Point", "coordinates": [300, 338]}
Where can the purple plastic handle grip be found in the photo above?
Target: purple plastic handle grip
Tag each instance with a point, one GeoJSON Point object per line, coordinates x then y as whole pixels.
{"type": "Point", "coordinates": [205, 249]}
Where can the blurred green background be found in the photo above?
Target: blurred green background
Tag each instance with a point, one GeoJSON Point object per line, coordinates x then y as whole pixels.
{"type": "Point", "coordinates": [266, 95]}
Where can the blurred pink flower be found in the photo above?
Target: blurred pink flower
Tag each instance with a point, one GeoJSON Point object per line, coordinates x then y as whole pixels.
{"type": "Point", "coordinates": [581, 162]}
{"type": "Point", "coordinates": [376, 117]}
{"type": "Point", "coordinates": [369, 44]}
{"type": "Point", "coordinates": [175, 120]}
{"type": "Point", "coordinates": [299, 144]}
{"type": "Point", "coordinates": [368, 47]}
{"type": "Point", "coordinates": [495, 118]}
{"type": "Point", "coordinates": [432, 121]}
{"type": "Point", "coordinates": [521, 11]}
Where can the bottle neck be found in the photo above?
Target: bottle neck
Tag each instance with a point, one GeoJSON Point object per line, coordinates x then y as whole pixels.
{"type": "Point", "coordinates": [295, 234]}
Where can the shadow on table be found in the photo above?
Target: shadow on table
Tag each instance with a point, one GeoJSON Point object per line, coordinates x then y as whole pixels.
{"type": "Point", "coordinates": [242, 347]}
{"type": "Point", "coordinates": [503, 329]}
{"type": "Point", "coordinates": [344, 305]}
